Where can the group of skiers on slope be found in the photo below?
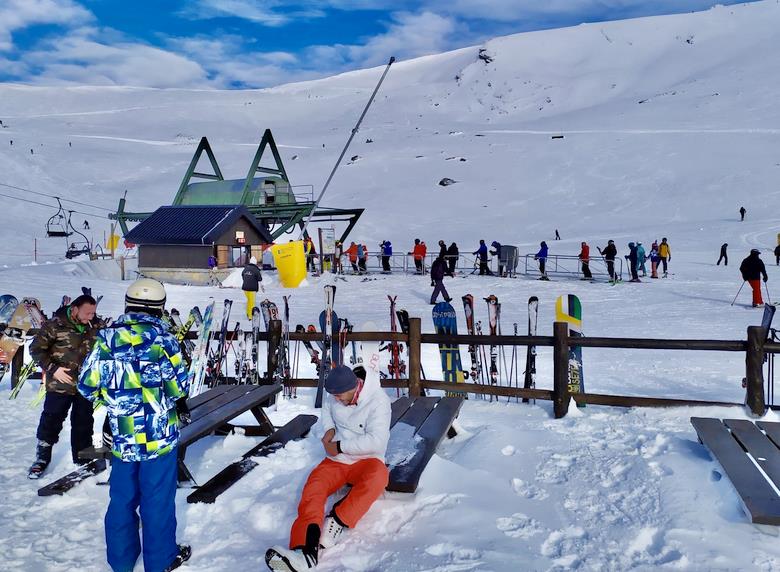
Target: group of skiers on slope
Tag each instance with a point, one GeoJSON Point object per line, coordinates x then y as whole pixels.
{"type": "Point", "coordinates": [660, 255]}
{"type": "Point", "coordinates": [135, 368]}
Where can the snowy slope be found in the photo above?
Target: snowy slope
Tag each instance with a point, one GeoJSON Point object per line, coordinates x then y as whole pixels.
{"type": "Point", "coordinates": [670, 125]}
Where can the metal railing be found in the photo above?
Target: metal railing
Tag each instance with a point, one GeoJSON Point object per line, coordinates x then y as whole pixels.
{"type": "Point", "coordinates": [568, 265]}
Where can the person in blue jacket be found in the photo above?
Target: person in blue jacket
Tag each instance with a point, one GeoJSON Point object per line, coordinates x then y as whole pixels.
{"type": "Point", "coordinates": [387, 252]}
{"type": "Point", "coordinates": [137, 371]}
{"type": "Point", "coordinates": [641, 257]}
{"type": "Point", "coordinates": [541, 256]}
{"type": "Point", "coordinates": [482, 254]}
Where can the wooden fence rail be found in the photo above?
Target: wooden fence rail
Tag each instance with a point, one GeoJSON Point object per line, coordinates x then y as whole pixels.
{"type": "Point", "coordinates": [755, 347]}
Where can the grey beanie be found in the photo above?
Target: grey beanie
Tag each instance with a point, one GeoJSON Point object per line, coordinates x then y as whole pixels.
{"type": "Point", "coordinates": [340, 380]}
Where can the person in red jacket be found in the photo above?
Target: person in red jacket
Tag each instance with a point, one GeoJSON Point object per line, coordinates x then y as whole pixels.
{"type": "Point", "coordinates": [352, 252]}
{"type": "Point", "coordinates": [584, 257]}
{"type": "Point", "coordinates": [418, 253]}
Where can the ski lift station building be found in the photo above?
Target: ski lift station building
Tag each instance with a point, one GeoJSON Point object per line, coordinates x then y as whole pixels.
{"type": "Point", "coordinates": [175, 242]}
{"type": "Point", "coordinates": [263, 204]}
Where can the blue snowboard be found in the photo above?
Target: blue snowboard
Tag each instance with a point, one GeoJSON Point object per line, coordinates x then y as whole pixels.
{"type": "Point", "coordinates": [445, 322]}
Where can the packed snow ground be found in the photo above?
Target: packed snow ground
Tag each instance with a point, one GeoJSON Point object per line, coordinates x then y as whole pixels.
{"type": "Point", "coordinates": [670, 125]}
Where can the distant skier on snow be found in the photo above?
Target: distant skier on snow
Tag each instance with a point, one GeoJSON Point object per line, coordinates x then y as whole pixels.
{"type": "Point", "coordinates": [452, 259]}
{"type": "Point", "coordinates": [609, 253]}
{"type": "Point", "coordinates": [641, 257]}
{"type": "Point", "coordinates": [497, 253]}
{"type": "Point", "coordinates": [541, 256]}
{"type": "Point", "coordinates": [418, 254]}
{"type": "Point", "coordinates": [742, 212]}
{"type": "Point", "coordinates": [438, 270]}
{"type": "Point", "coordinates": [777, 255]}
{"type": "Point", "coordinates": [723, 254]}
{"type": "Point", "coordinates": [654, 260]}
{"type": "Point", "coordinates": [356, 420]}
{"type": "Point", "coordinates": [752, 269]}
{"type": "Point", "coordinates": [387, 253]}
{"type": "Point", "coordinates": [482, 254]}
{"type": "Point", "coordinates": [665, 253]}
{"type": "Point", "coordinates": [632, 261]}
{"type": "Point", "coordinates": [584, 257]}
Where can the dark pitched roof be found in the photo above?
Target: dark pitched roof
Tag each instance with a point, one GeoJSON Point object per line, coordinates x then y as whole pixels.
{"type": "Point", "coordinates": [191, 225]}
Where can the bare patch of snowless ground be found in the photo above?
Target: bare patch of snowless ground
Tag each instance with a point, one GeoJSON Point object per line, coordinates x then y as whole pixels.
{"type": "Point", "coordinates": [670, 125]}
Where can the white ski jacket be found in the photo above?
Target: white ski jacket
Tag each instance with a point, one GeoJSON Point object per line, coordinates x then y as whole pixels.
{"type": "Point", "coordinates": [362, 430]}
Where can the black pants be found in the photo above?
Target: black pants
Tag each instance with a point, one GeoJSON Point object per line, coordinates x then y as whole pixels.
{"type": "Point", "coordinates": [611, 269]}
{"type": "Point", "coordinates": [362, 266]}
{"type": "Point", "coordinates": [354, 266]}
{"type": "Point", "coordinates": [386, 264]}
{"type": "Point", "coordinates": [483, 268]}
{"type": "Point", "coordinates": [451, 262]}
{"type": "Point", "coordinates": [542, 262]}
{"type": "Point", "coordinates": [55, 410]}
{"type": "Point", "coordinates": [418, 265]}
{"type": "Point", "coordinates": [725, 260]}
{"type": "Point", "coordinates": [586, 270]}
{"type": "Point", "coordinates": [663, 261]}
{"type": "Point", "coordinates": [632, 269]}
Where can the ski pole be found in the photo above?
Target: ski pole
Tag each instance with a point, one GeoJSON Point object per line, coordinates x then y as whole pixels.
{"type": "Point", "coordinates": [738, 291]}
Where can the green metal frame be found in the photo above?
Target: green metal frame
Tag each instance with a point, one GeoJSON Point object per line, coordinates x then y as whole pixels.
{"type": "Point", "coordinates": [286, 215]}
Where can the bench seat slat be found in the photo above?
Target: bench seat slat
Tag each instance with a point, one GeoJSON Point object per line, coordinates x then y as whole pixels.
{"type": "Point", "coordinates": [758, 498]}
{"type": "Point", "coordinates": [766, 454]}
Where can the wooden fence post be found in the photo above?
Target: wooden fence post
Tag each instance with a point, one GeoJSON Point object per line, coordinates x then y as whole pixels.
{"type": "Point", "coordinates": [560, 369]}
{"type": "Point", "coordinates": [754, 369]}
{"type": "Point", "coordinates": [274, 341]}
{"type": "Point", "coordinates": [415, 331]}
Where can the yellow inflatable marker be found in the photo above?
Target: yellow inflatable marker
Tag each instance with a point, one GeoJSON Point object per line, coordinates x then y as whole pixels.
{"type": "Point", "coordinates": [290, 260]}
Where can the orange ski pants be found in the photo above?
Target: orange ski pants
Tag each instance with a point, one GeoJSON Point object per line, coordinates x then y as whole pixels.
{"type": "Point", "coordinates": [368, 478]}
{"type": "Point", "coordinates": [756, 286]}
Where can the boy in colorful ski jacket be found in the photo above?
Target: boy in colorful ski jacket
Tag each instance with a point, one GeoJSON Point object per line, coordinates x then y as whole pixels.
{"type": "Point", "coordinates": [137, 370]}
{"type": "Point", "coordinates": [356, 421]}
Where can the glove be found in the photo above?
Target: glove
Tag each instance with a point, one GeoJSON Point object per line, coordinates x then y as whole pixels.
{"type": "Point", "coordinates": [766, 278]}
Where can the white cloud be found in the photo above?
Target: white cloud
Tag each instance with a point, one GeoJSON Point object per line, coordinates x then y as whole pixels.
{"type": "Point", "coordinates": [80, 58]}
{"type": "Point", "coordinates": [19, 14]}
{"type": "Point", "coordinates": [264, 12]}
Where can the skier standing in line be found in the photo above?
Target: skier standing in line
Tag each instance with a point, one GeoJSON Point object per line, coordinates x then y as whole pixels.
{"type": "Point", "coordinates": [137, 370]}
{"type": "Point", "coordinates": [482, 253]}
{"type": "Point", "coordinates": [723, 254]}
{"type": "Point", "coordinates": [251, 277]}
{"type": "Point", "coordinates": [641, 257]}
{"type": "Point", "coordinates": [452, 259]}
{"type": "Point", "coordinates": [541, 256]}
{"type": "Point", "coordinates": [632, 261]}
{"type": "Point", "coordinates": [438, 269]}
{"type": "Point", "coordinates": [418, 255]}
{"type": "Point", "coordinates": [497, 253]}
{"type": "Point", "coordinates": [777, 255]}
{"type": "Point", "coordinates": [584, 257]}
{"type": "Point", "coordinates": [609, 253]}
{"type": "Point", "coordinates": [742, 212]}
{"type": "Point", "coordinates": [356, 420]}
{"type": "Point", "coordinates": [387, 252]}
{"type": "Point", "coordinates": [337, 267]}
{"type": "Point", "coordinates": [352, 252]}
{"type": "Point", "coordinates": [654, 260]}
{"type": "Point", "coordinates": [60, 348]}
{"type": "Point", "coordinates": [752, 269]}
{"type": "Point", "coordinates": [362, 255]}
{"type": "Point", "coordinates": [311, 255]}
{"type": "Point", "coordinates": [443, 249]}
{"type": "Point", "coordinates": [665, 252]}
{"type": "Point", "coordinates": [557, 236]}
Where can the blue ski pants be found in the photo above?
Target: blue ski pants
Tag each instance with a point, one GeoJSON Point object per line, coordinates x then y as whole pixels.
{"type": "Point", "coordinates": [150, 486]}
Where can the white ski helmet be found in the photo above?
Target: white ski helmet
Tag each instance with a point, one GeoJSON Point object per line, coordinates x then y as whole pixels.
{"type": "Point", "coordinates": [146, 293]}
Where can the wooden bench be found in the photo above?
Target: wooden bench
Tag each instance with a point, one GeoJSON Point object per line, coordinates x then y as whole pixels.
{"type": "Point", "coordinates": [417, 426]}
{"type": "Point", "coordinates": [741, 448]}
{"type": "Point", "coordinates": [216, 413]}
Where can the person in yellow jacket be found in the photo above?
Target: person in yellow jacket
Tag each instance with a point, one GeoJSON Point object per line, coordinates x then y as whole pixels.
{"type": "Point", "coordinates": [665, 254]}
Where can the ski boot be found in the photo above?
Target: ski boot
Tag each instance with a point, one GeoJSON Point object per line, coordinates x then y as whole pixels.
{"type": "Point", "coordinates": [185, 551]}
{"type": "Point", "coordinates": [42, 460]}
{"type": "Point", "coordinates": [331, 531]}
{"type": "Point", "coordinates": [289, 560]}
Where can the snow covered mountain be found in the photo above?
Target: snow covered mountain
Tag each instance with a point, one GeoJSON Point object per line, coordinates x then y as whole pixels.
{"type": "Point", "coordinates": [670, 124]}
{"type": "Point", "coordinates": [668, 119]}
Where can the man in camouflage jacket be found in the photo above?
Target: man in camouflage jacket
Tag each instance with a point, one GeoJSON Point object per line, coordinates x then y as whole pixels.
{"type": "Point", "coordinates": [60, 348]}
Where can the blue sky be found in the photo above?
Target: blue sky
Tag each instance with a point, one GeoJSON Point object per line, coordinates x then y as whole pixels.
{"type": "Point", "coordinates": [232, 44]}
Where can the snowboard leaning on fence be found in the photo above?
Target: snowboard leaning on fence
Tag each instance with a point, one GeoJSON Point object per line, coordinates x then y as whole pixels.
{"type": "Point", "coordinates": [445, 322]}
{"type": "Point", "coordinates": [569, 310]}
